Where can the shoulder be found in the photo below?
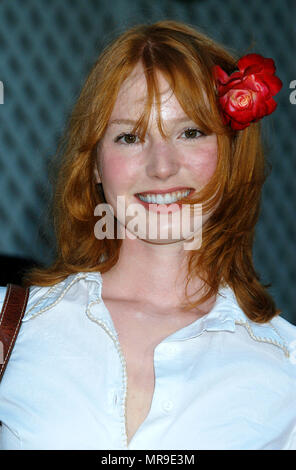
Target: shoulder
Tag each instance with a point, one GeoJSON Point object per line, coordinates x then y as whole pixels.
{"type": "Point", "coordinates": [287, 332]}
{"type": "Point", "coordinates": [279, 333]}
{"type": "Point", "coordinates": [270, 337]}
{"type": "Point", "coordinates": [33, 291]}
{"type": "Point", "coordinates": [42, 299]}
{"type": "Point", "coordinates": [284, 326]}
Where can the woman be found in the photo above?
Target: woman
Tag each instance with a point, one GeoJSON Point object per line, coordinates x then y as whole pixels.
{"type": "Point", "coordinates": [147, 333]}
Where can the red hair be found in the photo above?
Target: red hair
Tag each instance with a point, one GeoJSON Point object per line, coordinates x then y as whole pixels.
{"type": "Point", "coordinates": [186, 58]}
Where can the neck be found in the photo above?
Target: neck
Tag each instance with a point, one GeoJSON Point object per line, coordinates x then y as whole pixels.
{"type": "Point", "coordinates": [152, 273]}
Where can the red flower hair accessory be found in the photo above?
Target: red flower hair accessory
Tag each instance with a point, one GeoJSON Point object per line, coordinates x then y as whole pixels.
{"type": "Point", "coordinates": [247, 95]}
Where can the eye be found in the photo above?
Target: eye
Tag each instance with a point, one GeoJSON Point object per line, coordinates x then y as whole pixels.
{"type": "Point", "coordinates": [127, 138]}
{"type": "Point", "coordinates": [192, 133]}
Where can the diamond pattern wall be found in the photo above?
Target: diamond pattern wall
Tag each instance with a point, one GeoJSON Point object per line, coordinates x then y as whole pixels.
{"type": "Point", "coordinates": [46, 50]}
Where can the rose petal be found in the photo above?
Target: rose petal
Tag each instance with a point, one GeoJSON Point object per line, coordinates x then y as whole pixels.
{"type": "Point", "coordinates": [269, 66]}
{"type": "Point", "coordinates": [232, 85]}
{"type": "Point", "coordinates": [272, 82]}
{"type": "Point", "coordinates": [243, 116]}
{"type": "Point", "coordinates": [219, 74]}
{"type": "Point", "coordinates": [256, 84]}
{"type": "Point", "coordinates": [239, 114]}
{"type": "Point", "coordinates": [235, 76]}
{"type": "Point", "coordinates": [253, 69]}
{"type": "Point", "coordinates": [271, 106]}
{"type": "Point", "coordinates": [248, 60]}
{"type": "Point", "coordinates": [260, 108]}
{"type": "Point", "coordinates": [235, 99]}
{"type": "Point", "coordinates": [238, 126]}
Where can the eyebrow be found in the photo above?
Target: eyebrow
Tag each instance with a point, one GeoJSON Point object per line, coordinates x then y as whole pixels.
{"type": "Point", "coordinates": [132, 121]}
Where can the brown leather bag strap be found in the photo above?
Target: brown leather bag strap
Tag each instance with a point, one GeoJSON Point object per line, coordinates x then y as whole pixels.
{"type": "Point", "coordinates": [12, 312]}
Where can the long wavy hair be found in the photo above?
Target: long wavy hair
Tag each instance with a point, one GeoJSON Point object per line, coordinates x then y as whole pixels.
{"type": "Point", "coordinates": [185, 57]}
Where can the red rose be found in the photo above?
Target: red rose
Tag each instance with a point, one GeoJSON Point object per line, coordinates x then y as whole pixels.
{"type": "Point", "coordinates": [247, 95]}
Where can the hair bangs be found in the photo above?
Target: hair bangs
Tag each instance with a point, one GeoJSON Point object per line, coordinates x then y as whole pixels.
{"type": "Point", "coordinates": [190, 81]}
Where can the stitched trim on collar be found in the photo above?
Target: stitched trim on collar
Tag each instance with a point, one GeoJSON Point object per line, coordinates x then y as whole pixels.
{"type": "Point", "coordinates": [228, 308]}
{"type": "Point", "coordinates": [55, 294]}
{"type": "Point", "coordinates": [264, 339]}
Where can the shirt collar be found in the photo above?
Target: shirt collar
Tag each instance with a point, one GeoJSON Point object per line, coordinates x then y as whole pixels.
{"type": "Point", "coordinates": [225, 315]}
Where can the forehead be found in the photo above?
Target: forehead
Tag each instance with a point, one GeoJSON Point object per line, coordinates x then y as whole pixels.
{"type": "Point", "coordinates": [133, 93]}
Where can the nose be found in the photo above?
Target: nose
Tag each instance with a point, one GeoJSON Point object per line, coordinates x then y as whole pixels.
{"type": "Point", "coordinates": [162, 160]}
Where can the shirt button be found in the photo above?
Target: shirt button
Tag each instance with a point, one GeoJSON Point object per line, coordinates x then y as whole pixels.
{"type": "Point", "coordinates": [167, 405]}
{"type": "Point", "coordinates": [112, 398]}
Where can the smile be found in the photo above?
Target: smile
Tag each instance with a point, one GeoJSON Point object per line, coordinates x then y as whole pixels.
{"type": "Point", "coordinates": [164, 198]}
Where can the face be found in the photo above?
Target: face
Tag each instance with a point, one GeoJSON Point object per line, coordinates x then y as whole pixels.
{"type": "Point", "coordinates": [129, 168]}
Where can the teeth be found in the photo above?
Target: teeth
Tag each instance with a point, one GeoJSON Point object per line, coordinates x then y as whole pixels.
{"type": "Point", "coordinates": [167, 198]}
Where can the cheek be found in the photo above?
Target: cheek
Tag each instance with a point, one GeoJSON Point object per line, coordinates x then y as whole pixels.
{"type": "Point", "coordinates": [203, 162]}
{"type": "Point", "coordinates": [117, 172]}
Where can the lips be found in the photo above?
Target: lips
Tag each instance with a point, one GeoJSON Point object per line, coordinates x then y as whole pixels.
{"type": "Point", "coordinates": [163, 191]}
{"type": "Point", "coordinates": [165, 200]}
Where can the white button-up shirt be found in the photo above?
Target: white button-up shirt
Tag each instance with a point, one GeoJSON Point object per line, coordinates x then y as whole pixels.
{"type": "Point", "coordinates": [222, 382]}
